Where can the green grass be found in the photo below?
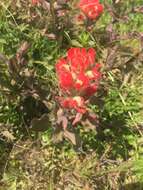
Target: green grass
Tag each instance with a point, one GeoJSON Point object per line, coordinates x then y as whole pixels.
{"type": "Point", "coordinates": [111, 156]}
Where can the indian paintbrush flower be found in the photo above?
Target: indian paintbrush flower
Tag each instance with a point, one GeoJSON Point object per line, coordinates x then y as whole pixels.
{"type": "Point", "coordinates": [78, 76]}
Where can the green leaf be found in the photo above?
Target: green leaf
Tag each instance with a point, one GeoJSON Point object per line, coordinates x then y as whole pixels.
{"type": "Point", "coordinates": [75, 43]}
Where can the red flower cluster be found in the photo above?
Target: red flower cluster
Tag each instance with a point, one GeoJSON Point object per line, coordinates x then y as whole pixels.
{"type": "Point", "coordinates": [35, 2]}
{"type": "Point", "coordinates": [78, 77]}
{"type": "Point", "coordinates": [91, 8]}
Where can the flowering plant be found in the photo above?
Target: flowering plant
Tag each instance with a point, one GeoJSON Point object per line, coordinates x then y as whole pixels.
{"type": "Point", "coordinates": [78, 75]}
{"type": "Point", "coordinates": [91, 8]}
{"type": "Point", "coordinates": [63, 16]}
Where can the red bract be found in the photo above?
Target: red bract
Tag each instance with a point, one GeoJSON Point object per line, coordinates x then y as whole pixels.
{"type": "Point", "coordinates": [80, 58]}
{"type": "Point", "coordinates": [76, 103]}
{"type": "Point", "coordinates": [78, 76]}
{"type": "Point", "coordinates": [81, 82]}
{"type": "Point", "coordinates": [91, 8]}
{"type": "Point", "coordinates": [66, 80]}
{"type": "Point", "coordinates": [90, 90]}
{"type": "Point", "coordinates": [80, 18]}
{"type": "Point", "coordinates": [35, 2]}
{"type": "Point", "coordinates": [62, 66]}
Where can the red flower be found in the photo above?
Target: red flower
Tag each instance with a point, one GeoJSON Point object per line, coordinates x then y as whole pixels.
{"type": "Point", "coordinates": [66, 80]}
{"type": "Point", "coordinates": [76, 103]}
{"type": "Point", "coordinates": [90, 90]}
{"type": "Point", "coordinates": [78, 77]}
{"type": "Point", "coordinates": [94, 74]}
{"type": "Point", "coordinates": [62, 66]}
{"type": "Point", "coordinates": [91, 8]}
{"type": "Point", "coordinates": [35, 2]}
{"type": "Point", "coordinates": [64, 74]}
{"type": "Point", "coordinates": [91, 56]}
{"type": "Point", "coordinates": [81, 82]}
{"type": "Point", "coordinates": [80, 58]}
{"type": "Point", "coordinates": [69, 103]}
